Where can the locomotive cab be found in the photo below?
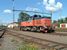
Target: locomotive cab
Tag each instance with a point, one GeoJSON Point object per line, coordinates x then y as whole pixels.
{"type": "Point", "coordinates": [36, 17]}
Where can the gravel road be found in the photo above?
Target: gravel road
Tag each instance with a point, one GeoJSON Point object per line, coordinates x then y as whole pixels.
{"type": "Point", "coordinates": [55, 38]}
{"type": "Point", "coordinates": [9, 42]}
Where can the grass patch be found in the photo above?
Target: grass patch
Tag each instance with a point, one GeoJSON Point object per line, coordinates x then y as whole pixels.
{"type": "Point", "coordinates": [61, 29]}
{"type": "Point", "coordinates": [28, 46]}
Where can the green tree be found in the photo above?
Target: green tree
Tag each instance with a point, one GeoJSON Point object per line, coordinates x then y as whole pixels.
{"type": "Point", "coordinates": [61, 21]}
{"type": "Point", "coordinates": [66, 20]}
{"type": "Point", "coordinates": [54, 21]}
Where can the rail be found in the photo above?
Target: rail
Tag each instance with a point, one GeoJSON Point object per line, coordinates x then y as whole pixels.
{"type": "Point", "coordinates": [2, 32]}
{"type": "Point", "coordinates": [39, 41]}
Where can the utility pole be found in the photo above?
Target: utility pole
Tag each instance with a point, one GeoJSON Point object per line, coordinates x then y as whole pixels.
{"type": "Point", "coordinates": [51, 15]}
{"type": "Point", "coordinates": [13, 11]}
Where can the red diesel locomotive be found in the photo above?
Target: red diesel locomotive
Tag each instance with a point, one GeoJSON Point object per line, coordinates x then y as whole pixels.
{"type": "Point", "coordinates": [37, 23]}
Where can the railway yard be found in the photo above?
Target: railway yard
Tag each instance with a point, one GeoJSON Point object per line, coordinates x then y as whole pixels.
{"type": "Point", "coordinates": [45, 41]}
{"type": "Point", "coordinates": [28, 26]}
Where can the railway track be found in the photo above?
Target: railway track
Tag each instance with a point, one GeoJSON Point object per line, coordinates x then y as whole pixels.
{"type": "Point", "coordinates": [60, 34]}
{"type": "Point", "coordinates": [2, 32]}
{"type": "Point", "coordinates": [54, 33]}
{"type": "Point", "coordinates": [43, 42]}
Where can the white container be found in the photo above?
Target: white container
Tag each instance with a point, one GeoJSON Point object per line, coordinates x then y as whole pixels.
{"type": "Point", "coordinates": [63, 25]}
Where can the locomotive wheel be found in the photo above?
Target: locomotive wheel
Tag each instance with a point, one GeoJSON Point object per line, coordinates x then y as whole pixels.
{"type": "Point", "coordinates": [29, 28]}
{"type": "Point", "coordinates": [46, 31]}
{"type": "Point", "coordinates": [21, 28]}
{"type": "Point", "coordinates": [38, 30]}
{"type": "Point", "coordinates": [33, 29]}
{"type": "Point", "coordinates": [25, 28]}
{"type": "Point", "coordinates": [51, 30]}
